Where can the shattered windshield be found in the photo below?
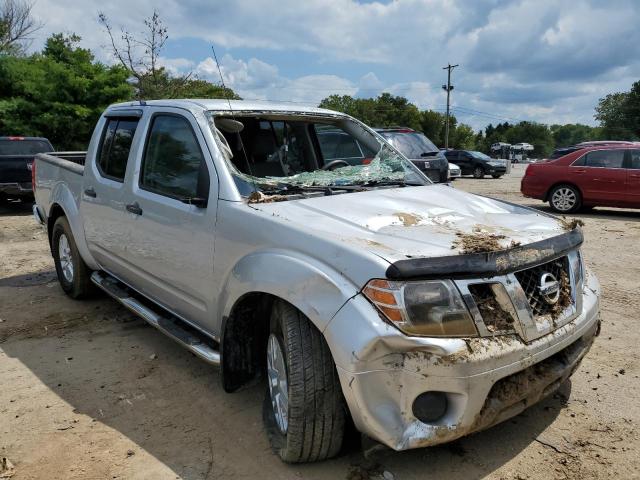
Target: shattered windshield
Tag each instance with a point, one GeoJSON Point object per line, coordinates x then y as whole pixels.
{"type": "Point", "coordinates": [290, 153]}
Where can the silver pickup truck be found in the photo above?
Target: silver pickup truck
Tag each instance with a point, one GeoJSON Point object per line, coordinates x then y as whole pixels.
{"type": "Point", "coordinates": [296, 245]}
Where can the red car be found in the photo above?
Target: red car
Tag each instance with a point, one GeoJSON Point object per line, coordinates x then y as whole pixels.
{"type": "Point", "coordinates": [598, 175]}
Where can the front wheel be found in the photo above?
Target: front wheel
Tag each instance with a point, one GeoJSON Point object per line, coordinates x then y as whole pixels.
{"type": "Point", "coordinates": [304, 408]}
{"type": "Point", "coordinates": [496, 176]}
{"type": "Point", "coordinates": [565, 199]}
{"type": "Point", "coordinates": [478, 172]}
{"type": "Point", "coordinates": [73, 273]}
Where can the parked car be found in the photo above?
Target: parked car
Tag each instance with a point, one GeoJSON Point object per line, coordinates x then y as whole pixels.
{"type": "Point", "coordinates": [454, 171]}
{"type": "Point", "coordinates": [420, 150]}
{"type": "Point", "coordinates": [477, 163]}
{"type": "Point", "coordinates": [561, 152]}
{"type": "Point", "coordinates": [16, 157]}
{"type": "Point", "coordinates": [604, 175]}
{"type": "Point", "coordinates": [362, 291]}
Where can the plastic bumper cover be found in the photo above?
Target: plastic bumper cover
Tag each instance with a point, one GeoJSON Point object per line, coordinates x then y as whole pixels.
{"type": "Point", "coordinates": [486, 380]}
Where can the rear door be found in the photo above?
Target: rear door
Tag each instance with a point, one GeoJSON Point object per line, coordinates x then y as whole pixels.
{"type": "Point", "coordinates": [601, 176]}
{"type": "Point", "coordinates": [102, 200]}
{"type": "Point", "coordinates": [633, 179]}
{"type": "Point", "coordinates": [170, 251]}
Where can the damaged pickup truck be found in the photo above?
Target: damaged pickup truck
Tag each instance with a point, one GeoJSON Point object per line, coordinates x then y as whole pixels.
{"type": "Point", "coordinates": [356, 288]}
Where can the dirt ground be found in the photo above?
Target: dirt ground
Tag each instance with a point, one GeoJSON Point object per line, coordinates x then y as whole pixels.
{"type": "Point", "coordinates": [89, 391]}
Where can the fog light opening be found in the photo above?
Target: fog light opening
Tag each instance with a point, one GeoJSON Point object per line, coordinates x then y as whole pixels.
{"type": "Point", "coordinates": [429, 407]}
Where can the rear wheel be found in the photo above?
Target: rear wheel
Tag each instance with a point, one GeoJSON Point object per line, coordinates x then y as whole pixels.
{"type": "Point", "coordinates": [73, 273]}
{"type": "Point", "coordinates": [304, 408]}
{"type": "Point", "coordinates": [478, 172]}
{"type": "Point", "coordinates": [565, 199]}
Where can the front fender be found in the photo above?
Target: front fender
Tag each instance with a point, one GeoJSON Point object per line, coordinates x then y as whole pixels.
{"type": "Point", "coordinates": [311, 286]}
{"type": "Point", "coordinates": [63, 197]}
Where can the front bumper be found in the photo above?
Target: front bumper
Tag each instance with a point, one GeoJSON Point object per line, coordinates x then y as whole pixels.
{"type": "Point", "coordinates": [491, 170]}
{"type": "Point", "coordinates": [486, 379]}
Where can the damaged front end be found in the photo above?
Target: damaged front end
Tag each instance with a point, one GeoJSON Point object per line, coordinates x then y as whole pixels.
{"type": "Point", "coordinates": [535, 313]}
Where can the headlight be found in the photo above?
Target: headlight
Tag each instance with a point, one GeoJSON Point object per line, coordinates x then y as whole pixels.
{"type": "Point", "coordinates": [496, 164]}
{"type": "Point", "coordinates": [426, 308]}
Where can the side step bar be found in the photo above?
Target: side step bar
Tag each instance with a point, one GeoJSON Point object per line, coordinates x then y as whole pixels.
{"type": "Point", "coordinates": [170, 326]}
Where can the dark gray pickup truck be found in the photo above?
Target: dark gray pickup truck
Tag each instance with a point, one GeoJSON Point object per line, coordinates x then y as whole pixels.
{"type": "Point", "coordinates": [16, 159]}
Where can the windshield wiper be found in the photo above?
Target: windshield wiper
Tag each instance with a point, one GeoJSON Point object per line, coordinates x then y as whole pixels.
{"type": "Point", "coordinates": [429, 154]}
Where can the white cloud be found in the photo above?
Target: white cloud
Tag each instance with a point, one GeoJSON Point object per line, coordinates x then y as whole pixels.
{"type": "Point", "coordinates": [534, 59]}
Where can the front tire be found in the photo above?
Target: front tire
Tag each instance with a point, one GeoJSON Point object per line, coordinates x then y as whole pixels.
{"type": "Point", "coordinates": [496, 176]}
{"type": "Point", "coordinates": [478, 172]}
{"type": "Point", "coordinates": [565, 199]}
{"type": "Point", "coordinates": [73, 273]}
{"type": "Point", "coordinates": [304, 407]}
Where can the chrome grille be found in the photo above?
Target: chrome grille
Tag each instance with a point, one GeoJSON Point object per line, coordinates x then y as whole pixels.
{"type": "Point", "coordinates": [495, 316]}
{"type": "Point", "coordinates": [530, 282]}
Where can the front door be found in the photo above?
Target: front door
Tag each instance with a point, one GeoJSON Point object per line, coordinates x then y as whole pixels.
{"type": "Point", "coordinates": [604, 179]}
{"type": "Point", "coordinates": [171, 212]}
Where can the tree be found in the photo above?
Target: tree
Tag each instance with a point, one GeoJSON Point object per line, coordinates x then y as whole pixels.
{"type": "Point", "coordinates": [16, 26]}
{"type": "Point", "coordinates": [572, 133]}
{"type": "Point", "coordinates": [388, 110]}
{"type": "Point", "coordinates": [619, 114]}
{"type": "Point", "coordinates": [140, 56]}
{"type": "Point", "coordinates": [59, 93]}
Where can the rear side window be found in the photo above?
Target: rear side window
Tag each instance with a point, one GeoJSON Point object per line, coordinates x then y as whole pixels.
{"type": "Point", "coordinates": [603, 159]}
{"type": "Point", "coordinates": [635, 159]}
{"type": "Point", "coordinates": [115, 147]}
{"type": "Point", "coordinates": [173, 164]}
{"type": "Point", "coordinates": [23, 147]}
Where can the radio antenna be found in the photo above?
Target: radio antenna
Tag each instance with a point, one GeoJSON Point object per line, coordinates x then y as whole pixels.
{"type": "Point", "coordinates": [233, 115]}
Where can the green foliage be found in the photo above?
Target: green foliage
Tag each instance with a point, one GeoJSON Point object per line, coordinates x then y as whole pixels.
{"type": "Point", "coordinates": [58, 94]}
{"type": "Point", "coordinates": [385, 111]}
{"type": "Point", "coordinates": [163, 85]}
{"type": "Point", "coordinates": [619, 114]}
{"type": "Point", "coordinates": [394, 111]}
{"type": "Point", "coordinates": [572, 133]}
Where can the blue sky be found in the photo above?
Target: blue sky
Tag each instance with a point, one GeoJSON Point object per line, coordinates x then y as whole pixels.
{"type": "Point", "coordinates": [541, 60]}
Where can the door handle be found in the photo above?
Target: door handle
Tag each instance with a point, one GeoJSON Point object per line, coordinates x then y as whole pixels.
{"type": "Point", "coordinates": [134, 208]}
{"type": "Point", "coordinates": [634, 175]}
{"type": "Point", "coordinates": [582, 170]}
{"type": "Point", "coordinates": [90, 192]}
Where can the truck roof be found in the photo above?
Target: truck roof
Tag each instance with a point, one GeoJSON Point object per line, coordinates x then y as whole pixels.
{"type": "Point", "coordinates": [223, 105]}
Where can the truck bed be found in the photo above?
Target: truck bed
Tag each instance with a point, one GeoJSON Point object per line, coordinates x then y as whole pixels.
{"type": "Point", "coordinates": [58, 175]}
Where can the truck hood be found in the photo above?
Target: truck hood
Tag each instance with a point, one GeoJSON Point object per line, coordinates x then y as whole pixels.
{"type": "Point", "coordinates": [411, 222]}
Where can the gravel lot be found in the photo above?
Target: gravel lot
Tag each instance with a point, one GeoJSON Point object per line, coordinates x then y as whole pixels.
{"type": "Point", "coordinates": [89, 391]}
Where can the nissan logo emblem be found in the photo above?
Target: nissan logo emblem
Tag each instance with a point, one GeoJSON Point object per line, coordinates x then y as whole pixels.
{"type": "Point", "coordinates": [549, 288]}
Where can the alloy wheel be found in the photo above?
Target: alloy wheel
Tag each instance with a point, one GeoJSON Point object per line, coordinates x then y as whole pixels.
{"type": "Point", "coordinates": [278, 384]}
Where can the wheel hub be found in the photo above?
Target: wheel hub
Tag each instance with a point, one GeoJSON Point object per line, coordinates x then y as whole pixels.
{"type": "Point", "coordinates": [564, 199]}
{"type": "Point", "coordinates": [66, 260]}
{"type": "Point", "coordinates": [278, 385]}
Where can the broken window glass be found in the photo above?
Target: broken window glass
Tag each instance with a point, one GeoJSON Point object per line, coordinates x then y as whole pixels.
{"type": "Point", "coordinates": [281, 154]}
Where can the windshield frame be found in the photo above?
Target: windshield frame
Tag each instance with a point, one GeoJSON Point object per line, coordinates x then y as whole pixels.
{"type": "Point", "coordinates": [246, 184]}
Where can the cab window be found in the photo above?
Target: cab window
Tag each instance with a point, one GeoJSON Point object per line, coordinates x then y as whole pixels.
{"type": "Point", "coordinates": [115, 146]}
{"type": "Point", "coordinates": [173, 164]}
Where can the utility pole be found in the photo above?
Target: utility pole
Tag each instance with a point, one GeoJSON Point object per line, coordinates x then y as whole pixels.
{"type": "Point", "coordinates": [448, 87]}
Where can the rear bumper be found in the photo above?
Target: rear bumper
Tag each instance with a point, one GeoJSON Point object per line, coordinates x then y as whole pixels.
{"type": "Point", "coordinates": [486, 380]}
{"type": "Point", "coordinates": [531, 188]}
{"type": "Point", "coordinates": [21, 189]}
{"type": "Point", "coordinates": [38, 215]}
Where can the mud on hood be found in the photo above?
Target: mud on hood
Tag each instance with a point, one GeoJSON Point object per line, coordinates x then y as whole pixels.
{"type": "Point", "coordinates": [411, 222]}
